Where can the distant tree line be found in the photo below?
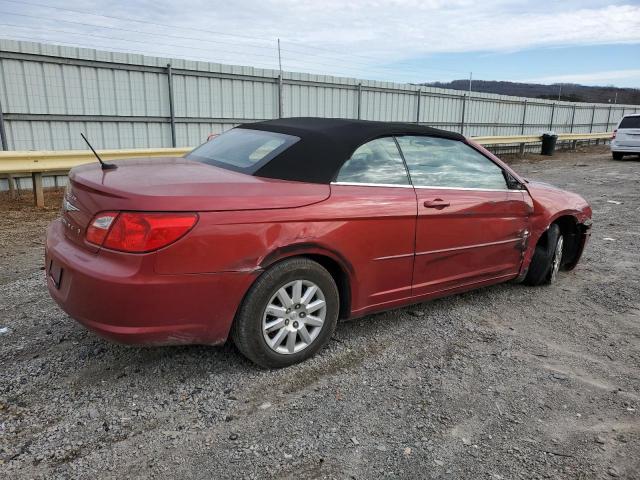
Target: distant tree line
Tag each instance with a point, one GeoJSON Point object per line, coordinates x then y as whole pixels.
{"type": "Point", "coordinates": [568, 92]}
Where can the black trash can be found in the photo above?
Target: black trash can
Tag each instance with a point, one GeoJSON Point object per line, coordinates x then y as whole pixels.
{"type": "Point", "coordinates": [549, 143]}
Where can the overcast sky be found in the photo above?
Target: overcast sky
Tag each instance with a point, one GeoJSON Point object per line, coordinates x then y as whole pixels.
{"type": "Point", "coordinates": [589, 41]}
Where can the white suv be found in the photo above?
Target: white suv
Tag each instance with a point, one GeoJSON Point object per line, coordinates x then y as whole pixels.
{"type": "Point", "coordinates": [626, 137]}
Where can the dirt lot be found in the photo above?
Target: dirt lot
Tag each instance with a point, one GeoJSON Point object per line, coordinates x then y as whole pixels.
{"type": "Point", "coordinates": [507, 382]}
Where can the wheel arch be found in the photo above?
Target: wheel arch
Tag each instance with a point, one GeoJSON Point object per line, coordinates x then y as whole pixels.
{"type": "Point", "coordinates": [571, 233]}
{"type": "Point", "coordinates": [339, 267]}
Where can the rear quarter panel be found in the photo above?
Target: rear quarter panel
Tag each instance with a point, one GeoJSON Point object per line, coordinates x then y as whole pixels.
{"type": "Point", "coordinates": [368, 231]}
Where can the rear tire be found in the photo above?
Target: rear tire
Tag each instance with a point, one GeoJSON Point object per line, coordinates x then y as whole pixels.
{"type": "Point", "coordinates": [277, 325]}
{"type": "Point", "coordinates": [547, 259]}
{"type": "Point", "coordinates": [617, 155]}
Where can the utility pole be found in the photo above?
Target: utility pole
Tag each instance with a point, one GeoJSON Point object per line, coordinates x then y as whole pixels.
{"type": "Point", "coordinates": [560, 93]}
{"type": "Point", "coordinates": [280, 86]}
{"type": "Point", "coordinates": [615, 100]}
{"type": "Point", "coordinates": [172, 113]}
{"type": "Point", "coordinates": [279, 58]}
{"type": "Point", "coordinates": [470, 78]}
{"type": "Point", "coordinates": [3, 135]}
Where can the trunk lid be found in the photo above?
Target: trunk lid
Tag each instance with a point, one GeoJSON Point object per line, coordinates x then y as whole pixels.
{"type": "Point", "coordinates": [173, 184]}
{"type": "Point", "coordinates": [628, 136]}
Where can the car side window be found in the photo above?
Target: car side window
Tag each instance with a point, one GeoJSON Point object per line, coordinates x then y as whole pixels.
{"type": "Point", "coordinates": [440, 162]}
{"type": "Point", "coordinates": [378, 161]}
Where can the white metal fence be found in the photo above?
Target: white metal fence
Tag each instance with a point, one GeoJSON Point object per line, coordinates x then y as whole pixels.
{"type": "Point", "coordinates": [49, 93]}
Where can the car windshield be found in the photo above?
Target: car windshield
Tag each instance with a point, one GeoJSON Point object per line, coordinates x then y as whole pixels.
{"type": "Point", "coordinates": [242, 149]}
{"type": "Point", "coordinates": [630, 122]}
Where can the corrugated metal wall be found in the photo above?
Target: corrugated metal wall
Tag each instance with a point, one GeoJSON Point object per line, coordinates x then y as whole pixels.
{"type": "Point", "coordinates": [49, 94]}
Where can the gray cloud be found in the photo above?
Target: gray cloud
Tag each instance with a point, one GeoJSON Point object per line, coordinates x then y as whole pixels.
{"type": "Point", "coordinates": [352, 38]}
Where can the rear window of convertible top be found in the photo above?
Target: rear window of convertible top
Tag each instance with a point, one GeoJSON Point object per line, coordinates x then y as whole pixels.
{"type": "Point", "coordinates": [242, 149]}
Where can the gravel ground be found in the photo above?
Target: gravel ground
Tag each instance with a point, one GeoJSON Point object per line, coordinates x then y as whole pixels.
{"type": "Point", "coordinates": [506, 382]}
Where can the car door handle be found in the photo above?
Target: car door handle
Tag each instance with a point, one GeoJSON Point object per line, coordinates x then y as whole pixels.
{"type": "Point", "coordinates": [438, 204]}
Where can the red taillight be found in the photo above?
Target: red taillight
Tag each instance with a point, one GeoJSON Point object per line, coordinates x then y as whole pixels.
{"type": "Point", "coordinates": [139, 232]}
{"type": "Point", "coordinates": [614, 134]}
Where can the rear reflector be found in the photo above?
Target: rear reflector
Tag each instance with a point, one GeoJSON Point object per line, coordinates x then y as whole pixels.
{"type": "Point", "coordinates": [99, 227]}
{"type": "Point", "coordinates": [139, 232]}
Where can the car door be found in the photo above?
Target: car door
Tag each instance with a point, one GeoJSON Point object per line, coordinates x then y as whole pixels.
{"type": "Point", "coordinates": [374, 196]}
{"type": "Point", "coordinates": [471, 228]}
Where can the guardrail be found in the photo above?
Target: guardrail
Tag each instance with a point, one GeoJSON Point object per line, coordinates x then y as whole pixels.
{"type": "Point", "coordinates": [64, 160]}
{"type": "Point", "coordinates": [524, 139]}
{"type": "Point", "coordinates": [38, 162]}
{"type": "Point", "coordinates": [562, 137]}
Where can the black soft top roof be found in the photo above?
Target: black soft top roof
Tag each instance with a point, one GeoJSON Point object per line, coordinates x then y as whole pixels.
{"type": "Point", "coordinates": [326, 143]}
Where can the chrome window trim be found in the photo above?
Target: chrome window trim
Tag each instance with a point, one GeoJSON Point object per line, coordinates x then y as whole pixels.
{"type": "Point", "coordinates": [356, 184]}
{"type": "Point", "coordinates": [468, 188]}
{"type": "Point", "coordinates": [424, 187]}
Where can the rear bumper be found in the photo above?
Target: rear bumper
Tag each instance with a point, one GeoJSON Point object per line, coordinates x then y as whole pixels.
{"type": "Point", "coordinates": [624, 148]}
{"type": "Point", "coordinates": [121, 297]}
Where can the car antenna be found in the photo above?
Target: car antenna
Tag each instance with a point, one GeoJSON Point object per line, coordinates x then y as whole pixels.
{"type": "Point", "coordinates": [104, 165]}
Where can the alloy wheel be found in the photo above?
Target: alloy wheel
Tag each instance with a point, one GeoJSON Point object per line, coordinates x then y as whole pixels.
{"type": "Point", "coordinates": [557, 259]}
{"type": "Point", "coordinates": [294, 317]}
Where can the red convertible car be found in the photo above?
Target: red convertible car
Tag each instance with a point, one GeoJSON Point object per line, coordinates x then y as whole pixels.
{"type": "Point", "coordinates": [272, 231]}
